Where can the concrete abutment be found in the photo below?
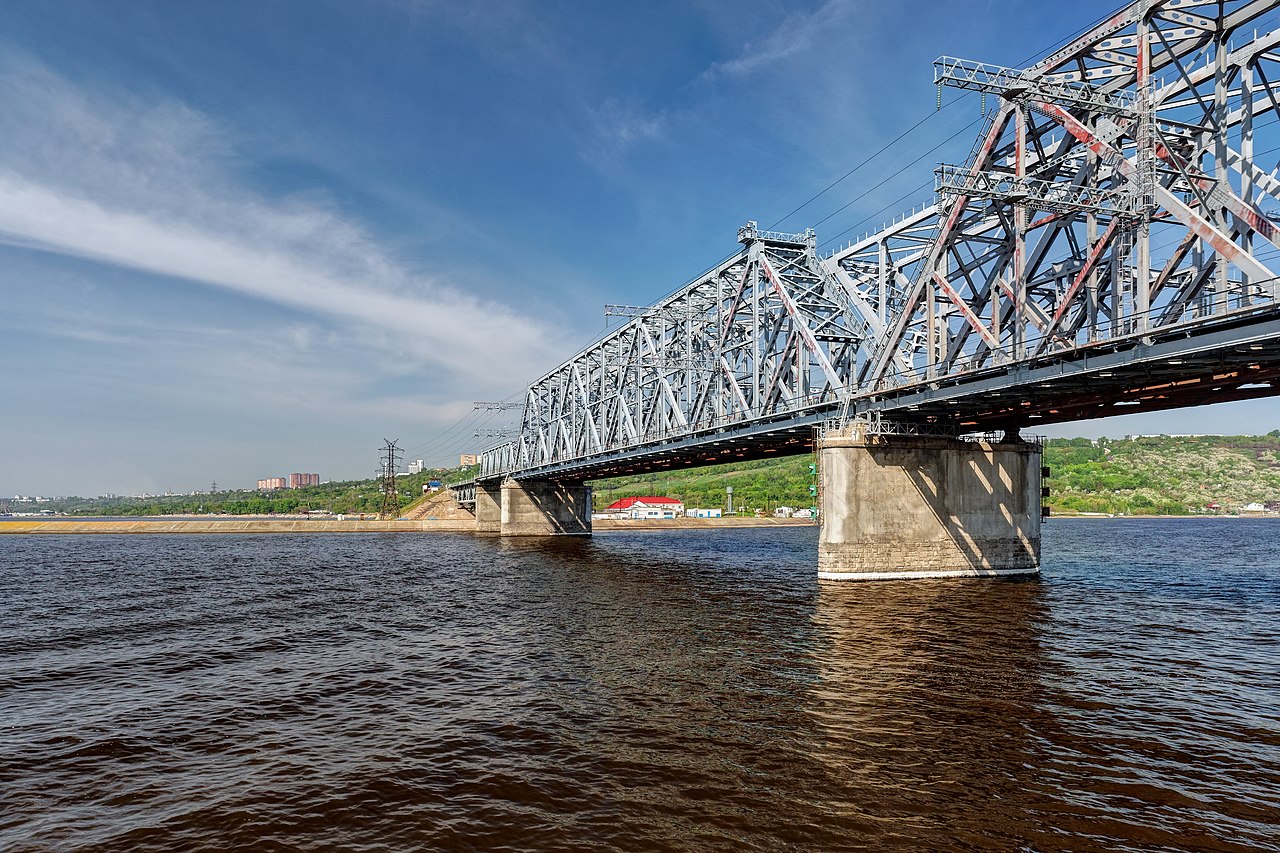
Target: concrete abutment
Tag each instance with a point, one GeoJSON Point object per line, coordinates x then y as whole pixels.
{"type": "Point", "coordinates": [896, 506]}
{"type": "Point", "coordinates": [533, 508]}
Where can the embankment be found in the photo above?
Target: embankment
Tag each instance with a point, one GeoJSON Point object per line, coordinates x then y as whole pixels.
{"type": "Point", "coordinates": [695, 523]}
{"type": "Point", "coordinates": [235, 525]}
{"type": "Point", "coordinates": [350, 525]}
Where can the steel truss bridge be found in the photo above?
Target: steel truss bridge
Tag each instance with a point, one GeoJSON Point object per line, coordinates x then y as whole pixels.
{"type": "Point", "coordinates": [1109, 246]}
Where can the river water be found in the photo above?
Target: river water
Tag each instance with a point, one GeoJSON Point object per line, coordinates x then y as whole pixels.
{"type": "Point", "coordinates": [682, 690]}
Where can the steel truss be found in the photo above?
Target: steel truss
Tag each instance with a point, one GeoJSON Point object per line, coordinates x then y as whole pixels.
{"type": "Point", "coordinates": [1118, 189]}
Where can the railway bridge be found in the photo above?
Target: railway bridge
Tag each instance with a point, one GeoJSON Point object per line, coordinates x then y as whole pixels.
{"type": "Point", "coordinates": [1108, 247]}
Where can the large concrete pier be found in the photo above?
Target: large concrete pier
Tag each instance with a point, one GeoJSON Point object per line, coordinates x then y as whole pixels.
{"type": "Point", "coordinates": [533, 508]}
{"type": "Point", "coordinates": [895, 506]}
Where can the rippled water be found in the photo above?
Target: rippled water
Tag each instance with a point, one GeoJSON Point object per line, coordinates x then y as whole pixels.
{"type": "Point", "coordinates": [685, 690]}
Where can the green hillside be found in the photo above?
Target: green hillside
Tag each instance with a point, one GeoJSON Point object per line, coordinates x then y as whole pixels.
{"type": "Point", "coordinates": [763, 484]}
{"type": "Point", "coordinates": [1162, 475]}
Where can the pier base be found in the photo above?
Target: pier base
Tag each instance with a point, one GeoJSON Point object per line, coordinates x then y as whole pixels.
{"type": "Point", "coordinates": [533, 508]}
{"type": "Point", "coordinates": [905, 507]}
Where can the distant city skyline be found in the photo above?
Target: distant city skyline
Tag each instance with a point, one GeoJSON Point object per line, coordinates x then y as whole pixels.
{"type": "Point", "coordinates": [237, 232]}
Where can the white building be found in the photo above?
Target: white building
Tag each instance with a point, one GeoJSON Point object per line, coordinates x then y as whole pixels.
{"type": "Point", "coordinates": [651, 506]}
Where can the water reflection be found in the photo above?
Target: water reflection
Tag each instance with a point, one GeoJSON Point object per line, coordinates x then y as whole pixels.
{"type": "Point", "coordinates": [927, 706]}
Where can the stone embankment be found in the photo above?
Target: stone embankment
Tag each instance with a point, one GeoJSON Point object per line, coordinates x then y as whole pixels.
{"type": "Point", "coordinates": [439, 506]}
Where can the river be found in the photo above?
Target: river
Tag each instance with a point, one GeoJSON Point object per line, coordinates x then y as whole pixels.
{"type": "Point", "coordinates": [675, 690]}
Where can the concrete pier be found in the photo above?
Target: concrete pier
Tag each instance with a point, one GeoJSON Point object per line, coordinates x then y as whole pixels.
{"type": "Point", "coordinates": [489, 507]}
{"type": "Point", "coordinates": [533, 508]}
{"type": "Point", "coordinates": [903, 507]}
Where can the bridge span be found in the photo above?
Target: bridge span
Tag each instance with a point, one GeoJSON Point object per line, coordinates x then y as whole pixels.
{"type": "Point", "coordinates": [1108, 247]}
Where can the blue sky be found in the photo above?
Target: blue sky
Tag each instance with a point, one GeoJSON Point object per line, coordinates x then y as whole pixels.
{"type": "Point", "coordinates": [245, 238]}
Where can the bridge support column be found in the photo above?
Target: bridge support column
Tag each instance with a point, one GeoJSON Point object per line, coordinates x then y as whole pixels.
{"type": "Point", "coordinates": [488, 507]}
{"type": "Point", "coordinates": [544, 508]}
{"type": "Point", "coordinates": [924, 507]}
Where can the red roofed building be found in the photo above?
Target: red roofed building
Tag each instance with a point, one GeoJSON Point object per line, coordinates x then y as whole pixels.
{"type": "Point", "coordinates": [650, 506]}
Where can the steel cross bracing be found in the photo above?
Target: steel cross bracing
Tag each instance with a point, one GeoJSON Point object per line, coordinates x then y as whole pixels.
{"type": "Point", "coordinates": [766, 333]}
{"type": "Point", "coordinates": [1061, 230]}
{"type": "Point", "coordinates": [1119, 196]}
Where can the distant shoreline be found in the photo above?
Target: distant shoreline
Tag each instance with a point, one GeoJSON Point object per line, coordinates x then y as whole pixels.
{"type": "Point", "coordinates": [228, 524]}
{"type": "Point", "coordinates": [1105, 517]}
{"type": "Point", "coordinates": [697, 523]}
{"type": "Point", "coordinates": [66, 525]}
{"type": "Point", "coordinates": [213, 525]}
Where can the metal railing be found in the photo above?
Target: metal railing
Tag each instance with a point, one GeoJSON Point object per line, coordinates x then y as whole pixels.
{"type": "Point", "coordinates": [751, 232]}
{"type": "Point", "coordinates": [1234, 303]}
{"type": "Point", "coordinates": [1012, 82]}
{"type": "Point", "coordinates": [1036, 193]}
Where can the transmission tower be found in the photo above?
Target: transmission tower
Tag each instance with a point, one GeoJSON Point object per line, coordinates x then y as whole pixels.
{"type": "Point", "coordinates": [390, 490]}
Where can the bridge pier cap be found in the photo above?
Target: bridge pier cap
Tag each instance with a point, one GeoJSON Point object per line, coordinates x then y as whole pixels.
{"type": "Point", "coordinates": [912, 507]}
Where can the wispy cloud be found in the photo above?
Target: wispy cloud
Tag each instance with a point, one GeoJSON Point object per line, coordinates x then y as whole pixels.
{"type": "Point", "coordinates": [699, 108]}
{"type": "Point", "coordinates": [224, 398]}
{"type": "Point", "coordinates": [615, 128]}
{"type": "Point", "coordinates": [626, 126]}
{"type": "Point", "coordinates": [797, 33]}
{"type": "Point", "coordinates": [154, 186]}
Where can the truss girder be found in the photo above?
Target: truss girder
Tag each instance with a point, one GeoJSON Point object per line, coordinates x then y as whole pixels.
{"type": "Point", "coordinates": [1126, 184]}
{"type": "Point", "coordinates": [767, 333]}
{"type": "Point", "coordinates": [1131, 138]}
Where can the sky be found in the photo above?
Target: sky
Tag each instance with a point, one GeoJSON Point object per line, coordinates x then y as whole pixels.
{"type": "Point", "coordinates": [252, 237]}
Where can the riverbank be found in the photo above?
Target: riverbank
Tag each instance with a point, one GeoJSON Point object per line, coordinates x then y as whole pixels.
{"type": "Point", "coordinates": [303, 524]}
{"type": "Point", "coordinates": [1104, 516]}
{"type": "Point", "coordinates": [235, 525]}
{"type": "Point", "coordinates": [696, 523]}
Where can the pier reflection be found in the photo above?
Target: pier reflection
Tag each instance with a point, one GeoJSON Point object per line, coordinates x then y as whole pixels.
{"type": "Point", "coordinates": [927, 709]}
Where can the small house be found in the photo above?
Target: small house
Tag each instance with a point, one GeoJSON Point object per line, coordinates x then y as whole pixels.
{"type": "Point", "coordinates": [651, 506]}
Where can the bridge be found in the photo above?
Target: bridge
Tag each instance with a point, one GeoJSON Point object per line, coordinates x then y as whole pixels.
{"type": "Point", "coordinates": [1109, 246]}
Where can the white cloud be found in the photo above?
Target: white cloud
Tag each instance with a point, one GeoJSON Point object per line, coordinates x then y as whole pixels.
{"type": "Point", "coordinates": [153, 186]}
{"type": "Point", "coordinates": [348, 281]}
